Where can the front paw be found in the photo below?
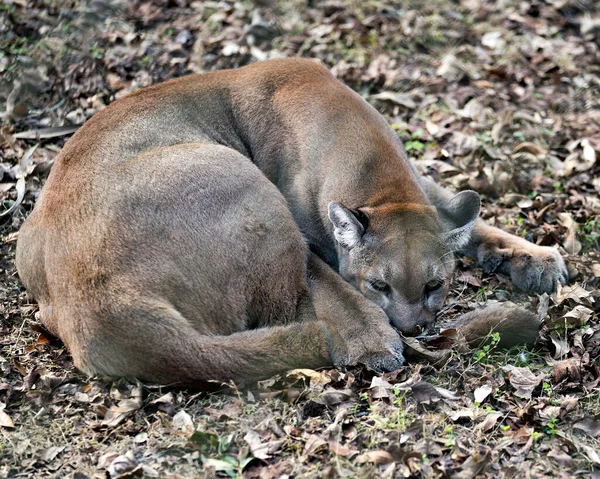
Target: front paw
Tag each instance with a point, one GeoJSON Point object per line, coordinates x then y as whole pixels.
{"type": "Point", "coordinates": [381, 352]}
{"type": "Point", "coordinates": [533, 268]}
{"type": "Point", "coordinates": [387, 360]}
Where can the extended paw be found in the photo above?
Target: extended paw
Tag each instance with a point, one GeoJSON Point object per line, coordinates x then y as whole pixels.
{"type": "Point", "coordinates": [538, 269]}
{"type": "Point", "coordinates": [388, 360]}
{"type": "Point", "coordinates": [382, 352]}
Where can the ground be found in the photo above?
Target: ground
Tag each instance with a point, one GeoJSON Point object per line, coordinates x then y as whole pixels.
{"type": "Point", "coordinates": [501, 97]}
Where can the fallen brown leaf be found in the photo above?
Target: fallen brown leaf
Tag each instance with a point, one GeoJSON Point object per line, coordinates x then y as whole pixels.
{"type": "Point", "coordinates": [182, 421]}
{"type": "Point", "coordinates": [377, 457]}
{"type": "Point", "coordinates": [259, 448]}
{"type": "Point", "coordinates": [425, 393]}
{"type": "Point", "coordinates": [5, 420]}
{"type": "Point", "coordinates": [482, 392]}
{"type": "Point", "coordinates": [523, 380]}
{"type": "Point", "coordinates": [313, 444]}
{"type": "Point", "coordinates": [476, 464]}
{"type": "Point", "coordinates": [590, 426]}
{"type": "Point", "coordinates": [124, 407]}
{"type": "Point", "coordinates": [560, 457]}
{"type": "Point", "coordinates": [489, 422]}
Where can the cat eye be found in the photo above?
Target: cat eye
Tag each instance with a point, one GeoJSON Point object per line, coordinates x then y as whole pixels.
{"type": "Point", "coordinates": [377, 285]}
{"type": "Point", "coordinates": [433, 285]}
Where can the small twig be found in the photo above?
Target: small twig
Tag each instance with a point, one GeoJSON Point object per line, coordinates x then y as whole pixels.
{"type": "Point", "coordinates": [40, 112]}
{"type": "Point", "coordinates": [16, 343]}
{"type": "Point", "coordinates": [43, 133]}
{"type": "Point", "coordinates": [21, 186]}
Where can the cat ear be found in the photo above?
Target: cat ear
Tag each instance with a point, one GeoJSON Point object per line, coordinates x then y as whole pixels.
{"type": "Point", "coordinates": [347, 228]}
{"type": "Point", "coordinates": [459, 216]}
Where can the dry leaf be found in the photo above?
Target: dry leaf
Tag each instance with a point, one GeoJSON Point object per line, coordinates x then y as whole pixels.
{"type": "Point", "coordinates": [590, 453]}
{"type": "Point", "coordinates": [316, 377]}
{"type": "Point", "coordinates": [117, 412]}
{"type": "Point", "coordinates": [402, 99]}
{"type": "Point", "coordinates": [573, 291]}
{"type": "Point", "coordinates": [588, 154]}
{"type": "Point", "coordinates": [377, 457]}
{"type": "Point", "coordinates": [50, 453]}
{"type": "Point", "coordinates": [590, 426]}
{"type": "Point", "coordinates": [460, 143]}
{"type": "Point", "coordinates": [482, 392]}
{"type": "Point", "coordinates": [339, 449]}
{"type": "Point", "coordinates": [450, 68]}
{"type": "Point", "coordinates": [381, 389]}
{"type": "Point", "coordinates": [579, 314]}
{"type": "Point", "coordinates": [475, 465]}
{"type": "Point", "coordinates": [464, 413]}
{"type": "Point", "coordinates": [570, 243]}
{"type": "Point", "coordinates": [474, 110]}
{"type": "Point", "coordinates": [125, 467]}
{"type": "Point", "coordinates": [515, 199]}
{"type": "Point", "coordinates": [313, 444]}
{"type": "Point", "coordinates": [5, 420]}
{"type": "Point", "coordinates": [164, 403]}
{"type": "Point", "coordinates": [493, 40]}
{"type": "Point", "coordinates": [232, 410]}
{"type": "Point", "coordinates": [489, 422]}
{"type": "Point", "coordinates": [567, 369]}
{"type": "Point", "coordinates": [561, 346]}
{"type": "Point", "coordinates": [568, 404]}
{"type": "Point", "coordinates": [260, 449]}
{"type": "Point", "coordinates": [561, 457]}
{"type": "Point", "coordinates": [532, 148]}
{"type": "Point", "coordinates": [523, 380]}
{"type": "Point", "coordinates": [425, 392]}
{"type": "Point", "coordinates": [182, 421]}
{"type": "Point", "coordinates": [580, 160]}
{"type": "Point", "coordinates": [416, 351]}
{"type": "Point", "coordinates": [432, 128]}
{"type": "Point", "coordinates": [45, 133]}
{"type": "Point", "coordinates": [332, 397]}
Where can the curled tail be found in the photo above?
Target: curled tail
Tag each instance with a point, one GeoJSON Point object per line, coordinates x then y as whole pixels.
{"type": "Point", "coordinates": [170, 352]}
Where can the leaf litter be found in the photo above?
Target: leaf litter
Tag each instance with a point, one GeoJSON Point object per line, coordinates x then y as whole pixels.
{"type": "Point", "coordinates": [501, 97]}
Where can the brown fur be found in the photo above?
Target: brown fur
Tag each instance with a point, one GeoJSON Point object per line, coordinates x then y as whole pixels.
{"type": "Point", "coordinates": [171, 240]}
{"type": "Point", "coordinates": [515, 325]}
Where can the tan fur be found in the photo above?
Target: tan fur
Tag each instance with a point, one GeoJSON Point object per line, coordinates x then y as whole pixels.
{"type": "Point", "coordinates": [170, 242]}
{"type": "Point", "coordinates": [516, 326]}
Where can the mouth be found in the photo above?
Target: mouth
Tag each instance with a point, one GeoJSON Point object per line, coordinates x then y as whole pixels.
{"type": "Point", "coordinates": [425, 334]}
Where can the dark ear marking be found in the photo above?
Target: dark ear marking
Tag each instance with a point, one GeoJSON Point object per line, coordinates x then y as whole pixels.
{"type": "Point", "coordinates": [361, 217]}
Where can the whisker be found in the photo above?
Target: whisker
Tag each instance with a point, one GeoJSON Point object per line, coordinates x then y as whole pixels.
{"type": "Point", "coordinates": [448, 262]}
{"type": "Point", "coordinates": [452, 303]}
{"type": "Point", "coordinates": [445, 254]}
{"type": "Point", "coordinates": [448, 252]}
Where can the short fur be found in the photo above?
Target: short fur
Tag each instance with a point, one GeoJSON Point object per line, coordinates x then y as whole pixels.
{"type": "Point", "coordinates": [515, 326]}
{"type": "Point", "coordinates": [171, 241]}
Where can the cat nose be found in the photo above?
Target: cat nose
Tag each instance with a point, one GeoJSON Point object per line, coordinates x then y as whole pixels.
{"type": "Point", "coordinates": [413, 322]}
{"type": "Point", "coordinates": [425, 331]}
{"type": "Point", "coordinates": [427, 327]}
{"type": "Point", "coordinates": [419, 330]}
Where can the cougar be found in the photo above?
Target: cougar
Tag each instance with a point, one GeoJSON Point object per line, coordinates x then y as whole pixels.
{"type": "Point", "coordinates": [230, 225]}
